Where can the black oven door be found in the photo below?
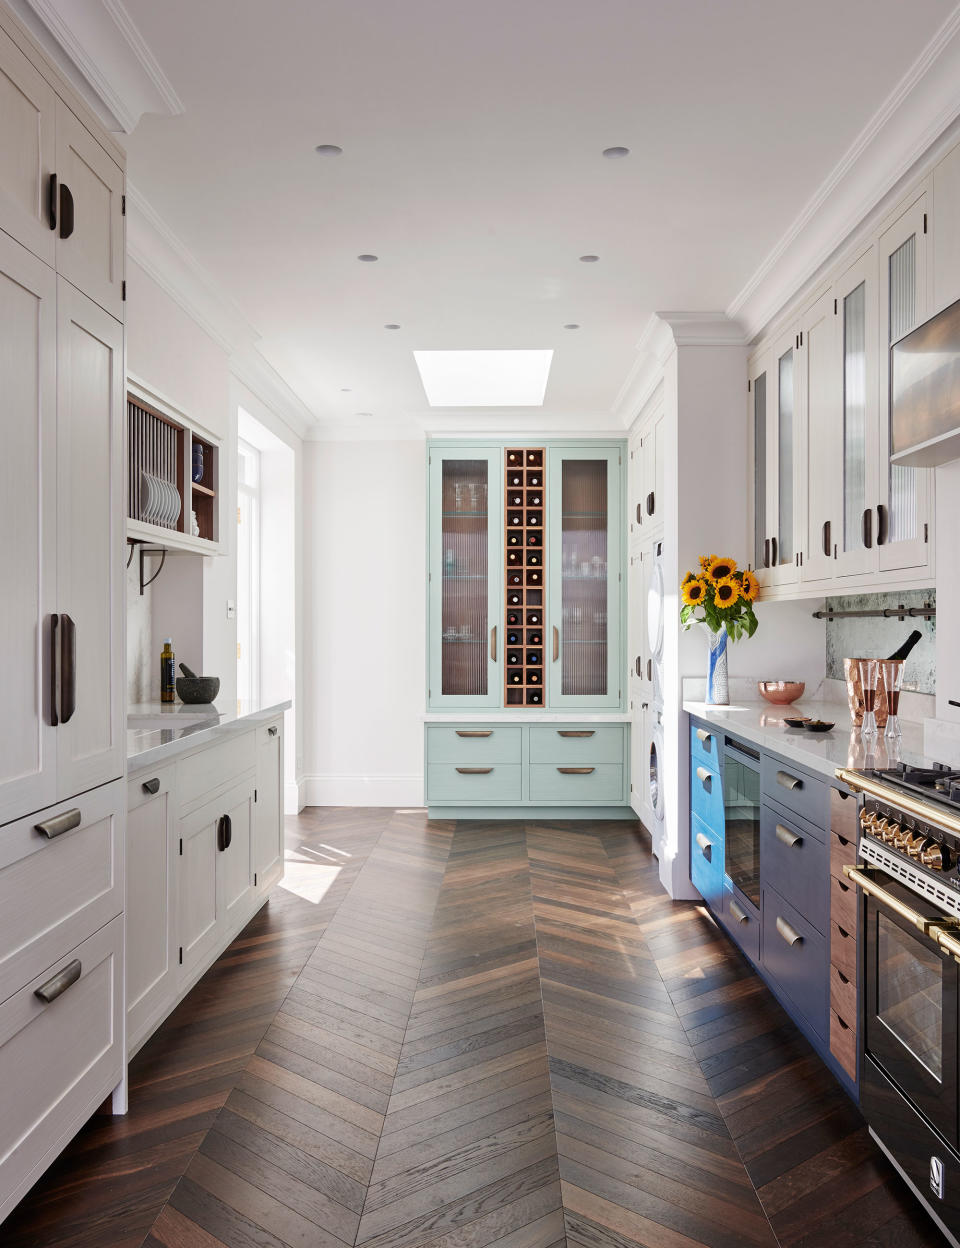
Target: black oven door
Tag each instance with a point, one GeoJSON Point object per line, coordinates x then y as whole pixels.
{"type": "Point", "coordinates": [910, 1001]}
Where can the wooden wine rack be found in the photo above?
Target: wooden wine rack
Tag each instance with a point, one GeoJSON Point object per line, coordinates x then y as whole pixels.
{"type": "Point", "coordinates": [525, 631]}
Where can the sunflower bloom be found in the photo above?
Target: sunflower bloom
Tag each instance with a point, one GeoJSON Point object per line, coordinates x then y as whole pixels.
{"type": "Point", "coordinates": [689, 577]}
{"type": "Point", "coordinates": [705, 561]}
{"type": "Point", "coordinates": [721, 569]}
{"type": "Point", "coordinates": [693, 591]}
{"type": "Point", "coordinates": [726, 592]}
{"type": "Point", "coordinates": [749, 587]}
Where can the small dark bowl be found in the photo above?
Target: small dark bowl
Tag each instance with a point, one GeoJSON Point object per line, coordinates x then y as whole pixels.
{"type": "Point", "coordinates": [818, 725]}
{"type": "Point", "coordinates": [796, 721]}
{"type": "Point", "coordinates": [198, 689]}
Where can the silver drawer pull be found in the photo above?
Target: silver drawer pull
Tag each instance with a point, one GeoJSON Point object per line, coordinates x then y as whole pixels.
{"type": "Point", "coordinates": [703, 736]}
{"type": "Point", "coordinates": [578, 733]}
{"type": "Point", "coordinates": [704, 776]}
{"type": "Point", "coordinates": [576, 771]}
{"type": "Point", "coordinates": [474, 732]}
{"type": "Point", "coordinates": [706, 847]}
{"type": "Point", "coordinates": [788, 838]}
{"type": "Point", "coordinates": [59, 824]}
{"type": "Point", "coordinates": [738, 913]}
{"type": "Point", "coordinates": [59, 983]}
{"type": "Point", "coordinates": [787, 933]}
{"type": "Point", "coordinates": [474, 771]}
{"type": "Point", "coordinates": [786, 781]}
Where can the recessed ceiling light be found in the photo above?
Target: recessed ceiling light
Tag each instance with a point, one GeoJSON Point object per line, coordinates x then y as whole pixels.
{"type": "Point", "coordinates": [572, 325]}
{"type": "Point", "coordinates": [328, 149]}
{"type": "Point", "coordinates": [345, 390]}
{"type": "Point", "coordinates": [583, 259]}
{"type": "Point", "coordinates": [616, 153]}
{"type": "Point", "coordinates": [484, 378]}
{"type": "Point", "coordinates": [391, 326]}
{"type": "Point", "coordinates": [367, 258]}
{"type": "Point", "coordinates": [364, 413]}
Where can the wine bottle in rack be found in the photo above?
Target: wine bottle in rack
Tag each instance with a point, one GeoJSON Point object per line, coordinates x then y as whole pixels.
{"type": "Point", "coordinates": [514, 539]}
{"type": "Point", "coordinates": [514, 600]}
{"type": "Point", "coordinates": [513, 619]}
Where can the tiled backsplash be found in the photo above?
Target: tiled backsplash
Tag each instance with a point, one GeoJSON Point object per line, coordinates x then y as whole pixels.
{"type": "Point", "coordinates": [878, 638]}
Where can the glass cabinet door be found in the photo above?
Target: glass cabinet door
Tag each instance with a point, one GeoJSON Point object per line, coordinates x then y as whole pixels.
{"type": "Point", "coordinates": [782, 463]}
{"type": "Point", "coordinates": [820, 429]}
{"type": "Point", "coordinates": [584, 533]}
{"type": "Point", "coordinates": [759, 421]}
{"type": "Point", "coordinates": [465, 577]}
{"type": "Point", "coordinates": [741, 816]}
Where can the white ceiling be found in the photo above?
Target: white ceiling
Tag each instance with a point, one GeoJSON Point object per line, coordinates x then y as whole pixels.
{"type": "Point", "coordinates": [472, 136]}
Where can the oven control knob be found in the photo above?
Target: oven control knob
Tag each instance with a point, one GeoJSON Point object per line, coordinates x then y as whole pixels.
{"type": "Point", "coordinates": [867, 819]}
{"type": "Point", "coordinates": [902, 837]}
{"type": "Point", "coordinates": [887, 831]}
{"type": "Point", "coordinates": [876, 826]}
{"type": "Point", "coordinates": [914, 844]}
{"type": "Point", "coordinates": [931, 854]}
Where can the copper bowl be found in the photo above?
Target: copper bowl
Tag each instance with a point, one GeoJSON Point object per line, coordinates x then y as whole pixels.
{"type": "Point", "coordinates": [781, 692]}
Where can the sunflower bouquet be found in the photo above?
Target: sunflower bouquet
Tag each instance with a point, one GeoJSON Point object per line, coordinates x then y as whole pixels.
{"type": "Point", "coordinates": [720, 595]}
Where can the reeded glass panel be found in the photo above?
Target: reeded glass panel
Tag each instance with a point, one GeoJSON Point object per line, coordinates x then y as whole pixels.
{"type": "Point", "coordinates": [903, 318]}
{"type": "Point", "coordinates": [910, 994]}
{"type": "Point", "coordinates": [760, 468]}
{"type": "Point", "coordinates": [741, 809]}
{"type": "Point", "coordinates": [854, 416]}
{"type": "Point", "coordinates": [785, 458]}
{"type": "Point", "coordinates": [464, 572]}
{"type": "Point", "coordinates": [584, 576]}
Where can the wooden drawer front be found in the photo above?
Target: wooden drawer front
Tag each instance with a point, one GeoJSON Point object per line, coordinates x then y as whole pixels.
{"type": "Point", "coordinates": [843, 853]}
{"type": "Point", "coordinates": [490, 783]}
{"type": "Point", "coordinates": [843, 950]}
{"type": "Point", "coordinates": [795, 863]}
{"type": "Point", "coordinates": [55, 892]}
{"type": "Point", "coordinates": [568, 743]}
{"type": "Point", "coordinates": [843, 1044]}
{"type": "Point", "coordinates": [473, 744]}
{"type": "Point", "coordinates": [844, 815]}
{"type": "Point", "coordinates": [704, 747]}
{"type": "Point", "coordinates": [706, 862]}
{"type": "Point", "coordinates": [799, 968]}
{"type": "Point", "coordinates": [740, 922]}
{"type": "Point", "coordinates": [576, 783]}
{"type": "Point", "coordinates": [843, 904]}
{"type": "Point", "coordinates": [788, 786]}
{"type": "Point", "coordinates": [58, 1060]}
{"type": "Point", "coordinates": [706, 794]}
{"type": "Point", "coordinates": [843, 996]}
{"type": "Point", "coordinates": [200, 774]}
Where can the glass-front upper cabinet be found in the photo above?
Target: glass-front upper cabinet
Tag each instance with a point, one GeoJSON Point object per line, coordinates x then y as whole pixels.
{"type": "Point", "coordinates": [465, 571]}
{"type": "Point", "coordinates": [759, 419]}
{"type": "Point", "coordinates": [585, 524]}
{"type": "Point", "coordinates": [821, 425]}
{"type": "Point", "coordinates": [773, 417]}
{"type": "Point", "coordinates": [905, 494]}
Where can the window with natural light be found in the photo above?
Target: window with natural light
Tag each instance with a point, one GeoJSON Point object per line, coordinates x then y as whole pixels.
{"type": "Point", "coordinates": [248, 574]}
{"type": "Point", "coordinates": [484, 378]}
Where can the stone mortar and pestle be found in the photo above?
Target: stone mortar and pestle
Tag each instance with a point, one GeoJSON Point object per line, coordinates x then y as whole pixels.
{"type": "Point", "coordinates": [192, 688]}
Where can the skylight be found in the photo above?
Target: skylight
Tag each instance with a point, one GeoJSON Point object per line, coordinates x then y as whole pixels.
{"type": "Point", "coordinates": [484, 378]}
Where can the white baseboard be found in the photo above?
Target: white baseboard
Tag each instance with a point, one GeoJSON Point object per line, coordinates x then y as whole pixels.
{"type": "Point", "coordinates": [327, 790]}
{"type": "Point", "coordinates": [293, 797]}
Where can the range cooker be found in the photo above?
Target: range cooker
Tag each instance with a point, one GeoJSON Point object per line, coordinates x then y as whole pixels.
{"type": "Point", "coordinates": [909, 989]}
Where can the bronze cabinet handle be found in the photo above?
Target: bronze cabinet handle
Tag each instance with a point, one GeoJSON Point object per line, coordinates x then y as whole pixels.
{"type": "Point", "coordinates": [493, 644]}
{"type": "Point", "coordinates": [786, 781]}
{"type": "Point", "coordinates": [882, 526]}
{"type": "Point", "coordinates": [639, 513]}
{"type": "Point", "coordinates": [272, 730]}
{"type": "Point", "coordinates": [68, 668]}
{"type": "Point", "coordinates": [474, 771]}
{"type": "Point", "coordinates": [474, 732]}
{"type": "Point", "coordinates": [766, 552]}
{"type": "Point", "coordinates": [649, 670]}
{"type": "Point", "coordinates": [868, 527]}
{"type": "Point", "coordinates": [576, 771]}
{"type": "Point", "coordinates": [773, 551]}
{"type": "Point", "coordinates": [54, 670]}
{"type": "Point", "coordinates": [651, 503]}
{"type": "Point", "coordinates": [152, 786]}
{"type": "Point", "coordinates": [66, 211]}
{"type": "Point", "coordinates": [578, 732]}
{"type": "Point", "coordinates": [59, 824]}
{"type": "Point", "coordinates": [788, 934]}
{"type": "Point", "coordinates": [786, 837]}
{"type": "Point", "coordinates": [556, 643]}
{"type": "Point", "coordinates": [703, 736]}
{"type": "Point", "coordinates": [739, 914]}
{"type": "Point", "coordinates": [706, 846]}
{"type": "Point", "coordinates": [826, 538]}
{"type": "Point", "coordinates": [52, 201]}
{"type": "Point", "coordinates": [639, 667]}
{"type": "Point", "coordinates": [58, 984]}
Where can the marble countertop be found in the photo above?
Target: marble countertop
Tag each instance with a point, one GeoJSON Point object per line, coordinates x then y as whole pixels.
{"type": "Point", "coordinates": [762, 725]}
{"type": "Point", "coordinates": [159, 731]}
{"type": "Point", "coordinates": [521, 715]}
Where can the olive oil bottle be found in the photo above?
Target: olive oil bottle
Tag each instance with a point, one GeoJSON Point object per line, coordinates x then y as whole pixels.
{"type": "Point", "coordinates": [168, 667]}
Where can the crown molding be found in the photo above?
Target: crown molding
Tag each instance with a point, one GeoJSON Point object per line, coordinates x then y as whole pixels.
{"type": "Point", "coordinates": [704, 329]}
{"type": "Point", "coordinates": [923, 104]}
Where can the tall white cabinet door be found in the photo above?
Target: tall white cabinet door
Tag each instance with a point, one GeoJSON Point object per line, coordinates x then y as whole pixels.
{"type": "Point", "coordinates": [90, 246]}
{"type": "Point", "coordinates": [236, 860]}
{"type": "Point", "coordinates": [28, 339]}
{"type": "Point", "coordinates": [905, 494]}
{"type": "Point", "coordinates": [782, 461]}
{"type": "Point", "coordinates": [268, 811]}
{"type": "Point", "coordinates": [759, 391]}
{"type": "Point", "coordinates": [151, 945]}
{"type": "Point", "coordinates": [90, 539]}
{"type": "Point", "coordinates": [821, 437]}
{"type": "Point", "coordinates": [27, 151]}
{"type": "Point", "coordinates": [198, 887]}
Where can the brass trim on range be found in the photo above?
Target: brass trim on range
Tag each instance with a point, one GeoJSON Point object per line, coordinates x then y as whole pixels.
{"type": "Point", "coordinates": [902, 801]}
{"type": "Point", "coordinates": [867, 884]}
{"type": "Point", "coordinates": [947, 941]}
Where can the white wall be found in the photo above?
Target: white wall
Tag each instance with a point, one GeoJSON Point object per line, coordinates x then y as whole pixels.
{"type": "Point", "coordinates": [365, 582]}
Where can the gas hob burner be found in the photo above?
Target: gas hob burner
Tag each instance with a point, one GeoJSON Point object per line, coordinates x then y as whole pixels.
{"type": "Point", "coordinates": [938, 783]}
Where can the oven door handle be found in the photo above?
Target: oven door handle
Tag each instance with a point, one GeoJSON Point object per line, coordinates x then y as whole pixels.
{"type": "Point", "coordinates": [868, 885]}
{"type": "Point", "coordinates": [947, 941]}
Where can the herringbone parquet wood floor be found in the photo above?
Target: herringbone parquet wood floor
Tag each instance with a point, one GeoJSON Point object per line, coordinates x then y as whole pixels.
{"type": "Point", "coordinates": [481, 1035]}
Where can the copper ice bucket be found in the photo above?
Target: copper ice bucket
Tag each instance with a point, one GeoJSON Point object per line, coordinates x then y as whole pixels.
{"type": "Point", "coordinates": [851, 672]}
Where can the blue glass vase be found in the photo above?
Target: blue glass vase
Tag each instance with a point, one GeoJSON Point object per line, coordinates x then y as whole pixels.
{"type": "Point", "coordinates": [196, 470]}
{"type": "Point", "coordinates": [718, 693]}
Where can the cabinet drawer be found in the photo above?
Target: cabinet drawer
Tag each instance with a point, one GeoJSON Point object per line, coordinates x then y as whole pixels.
{"type": "Point", "coordinates": [788, 786]}
{"type": "Point", "coordinates": [844, 815]}
{"type": "Point", "coordinates": [843, 950]}
{"type": "Point", "coordinates": [568, 743]}
{"type": "Point", "coordinates": [599, 783]}
{"type": "Point", "coordinates": [704, 747]}
{"type": "Point", "coordinates": [843, 852]}
{"type": "Point", "coordinates": [473, 744]}
{"type": "Point", "coordinates": [706, 862]}
{"type": "Point", "coordinates": [795, 955]}
{"type": "Point", "coordinates": [795, 863]}
{"type": "Point", "coordinates": [58, 1060]}
{"type": "Point", "coordinates": [843, 995]}
{"type": "Point", "coordinates": [741, 923]}
{"type": "Point", "coordinates": [492, 783]}
{"type": "Point", "coordinates": [200, 774]}
{"type": "Point", "coordinates": [843, 1044]}
{"type": "Point", "coordinates": [843, 904]}
{"type": "Point", "coordinates": [706, 794]}
{"type": "Point", "coordinates": [56, 890]}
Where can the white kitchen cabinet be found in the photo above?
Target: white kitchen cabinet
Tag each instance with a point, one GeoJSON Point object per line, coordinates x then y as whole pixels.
{"type": "Point", "coordinates": [268, 810]}
{"type": "Point", "coordinates": [151, 948]}
{"type": "Point", "coordinates": [759, 387]}
{"type": "Point", "coordinates": [28, 345]}
{"type": "Point", "coordinates": [635, 492]}
{"type": "Point", "coordinates": [235, 861]}
{"type": "Point", "coordinates": [199, 888]}
{"type": "Point", "coordinates": [28, 152]}
{"type": "Point", "coordinates": [774, 420]}
{"type": "Point", "coordinates": [645, 477]}
{"type": "Point", "coordinates": [821, 435]}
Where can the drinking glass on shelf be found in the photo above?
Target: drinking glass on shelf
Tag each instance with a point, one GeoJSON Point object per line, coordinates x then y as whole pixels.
{"type": "Point", "coordinates": [892, 672]}
{"type": "Point", "coordinates": [869, 675]}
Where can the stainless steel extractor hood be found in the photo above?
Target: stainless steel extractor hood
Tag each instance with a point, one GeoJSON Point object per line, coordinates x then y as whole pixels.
{"type": "Point", "coordinates": [925, 393]}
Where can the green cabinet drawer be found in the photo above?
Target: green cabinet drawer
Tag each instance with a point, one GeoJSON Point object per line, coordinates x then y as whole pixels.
{"type": "Point", "coordinates": [473, 783]}
{"type": "Point", "coordinates": [577, 743]}
{"type": "Point", "coordinates": [566, 783]}
{"type": "Point", "coordinates": [473, 744]}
